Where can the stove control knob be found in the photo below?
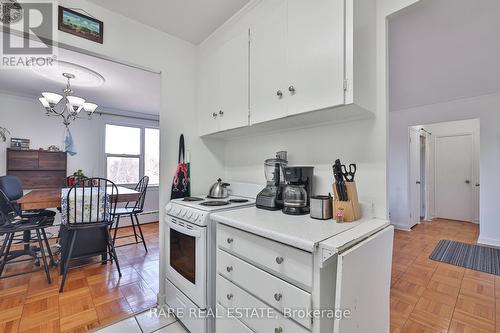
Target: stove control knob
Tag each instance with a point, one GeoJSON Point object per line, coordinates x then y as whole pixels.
{"type": "Point", "coordinates": [189, 214]}
{"type": "Point", "coordinates": [168, 208]}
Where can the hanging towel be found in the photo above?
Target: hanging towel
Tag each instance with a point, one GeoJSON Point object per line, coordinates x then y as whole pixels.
{"type": "Point", "coordinates": [180, 184]}
{"type": "Point", "coordinates": [69, 146]}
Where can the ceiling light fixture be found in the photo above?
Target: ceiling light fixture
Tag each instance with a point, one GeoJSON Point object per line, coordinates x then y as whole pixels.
{"type": "Point", "coordinates": [69, 106]}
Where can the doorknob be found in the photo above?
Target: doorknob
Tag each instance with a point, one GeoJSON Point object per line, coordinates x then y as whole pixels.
{"type": "Point", "coordinates": [467, 182]}
{"type": "Point", "coordinates": [418, 182]}
{"type": "Point", "coordinates": [477, 185]}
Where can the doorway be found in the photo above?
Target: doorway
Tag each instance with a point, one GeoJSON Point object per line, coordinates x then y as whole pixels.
{"type": "Point", "coordinates": [444, 171]}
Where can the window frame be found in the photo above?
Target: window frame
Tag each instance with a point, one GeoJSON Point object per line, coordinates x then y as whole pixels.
{"type": "Point", "coordinates": [142, 151]}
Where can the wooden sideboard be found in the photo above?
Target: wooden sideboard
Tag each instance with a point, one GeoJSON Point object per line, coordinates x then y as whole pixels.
{"type": "Point", "coordinates": [38, 169]}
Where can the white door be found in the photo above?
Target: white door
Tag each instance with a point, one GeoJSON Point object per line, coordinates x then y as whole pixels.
{"type": "Point", "coordinates": [233, 78]}
{"type": "Point", "coordinates": [453, 177]}
{"type": "Point", "coordinates": [414, 183]}
{"type": "Point", "coordinates": [208, 107]}
{"type": "Point", "coordinates": [268, 65]}
{"type": "Point", "coordinates": [315, 55]}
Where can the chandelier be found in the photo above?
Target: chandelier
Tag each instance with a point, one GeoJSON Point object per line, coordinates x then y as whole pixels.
{"type": "Point", "coordinates": [69, 106]}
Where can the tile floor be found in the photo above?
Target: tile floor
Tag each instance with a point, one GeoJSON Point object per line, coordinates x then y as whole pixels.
{"type": "Point", "coordinates": [145, 322]}
{"type": "Point", "coordinates": [94, 296]}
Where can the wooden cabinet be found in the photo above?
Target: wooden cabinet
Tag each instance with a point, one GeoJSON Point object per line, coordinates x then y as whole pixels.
{"type": "Point", "coordinates": [224, 87]}
{"type": "Point", "coordinates": [37, 169]}
{"type": "Point", "coordinates": [297, 57]}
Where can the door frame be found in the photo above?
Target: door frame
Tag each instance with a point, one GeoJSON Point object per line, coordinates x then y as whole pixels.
{"type": "Point", "coordinates": [409, 180]}
{"type": "Point", "coordinates": [474, 176]}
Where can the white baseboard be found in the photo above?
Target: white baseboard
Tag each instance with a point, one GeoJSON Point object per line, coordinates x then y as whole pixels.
{"type": "Point", "coordinates": [401, 227]}
{"type": "Point", "coordinates": [488, 241]}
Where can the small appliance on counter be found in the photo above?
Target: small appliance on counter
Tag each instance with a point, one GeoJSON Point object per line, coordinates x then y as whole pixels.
{"type": "Point", "coordinates": [271, 197]}
{"type": "Point", "coordinates": [298, 190]}
{"type": "Point", "coordinates": [322, 207]}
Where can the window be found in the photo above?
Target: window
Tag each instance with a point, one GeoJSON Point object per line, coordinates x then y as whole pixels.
{"type": "Point", "coordinates": [131, 153]}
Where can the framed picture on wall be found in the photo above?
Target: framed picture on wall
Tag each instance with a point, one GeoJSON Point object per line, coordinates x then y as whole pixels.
{"type": "Point", "coordinates": [80, 25]}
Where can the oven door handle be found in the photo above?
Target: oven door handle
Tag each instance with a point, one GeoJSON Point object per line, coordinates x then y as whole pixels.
{"type": "Point", "coordinates": [185, 231]}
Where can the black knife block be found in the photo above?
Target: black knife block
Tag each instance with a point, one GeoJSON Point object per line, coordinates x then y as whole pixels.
{"type": "Point", "coordinates": [351, 208]}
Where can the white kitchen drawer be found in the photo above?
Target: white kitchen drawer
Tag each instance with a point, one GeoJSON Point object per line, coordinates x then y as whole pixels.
{"type": "Point", "coordinates": [226, 324]}
{"type": "Point", "coordinates": [269, 288]}
{"type": "Point", "coordinates": [233, 297]}
{"type": "Point", "coordinates": [289, 263]}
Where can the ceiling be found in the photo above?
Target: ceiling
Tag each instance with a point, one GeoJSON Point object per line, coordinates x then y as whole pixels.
{"type": "Point", "coordinates": [124, 88]}
{"type": "Point", "coordinates": [443, 50]}
{"type": "Point", "coordinates": [190, 20]}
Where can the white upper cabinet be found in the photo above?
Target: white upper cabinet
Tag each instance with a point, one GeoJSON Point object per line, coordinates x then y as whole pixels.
{"type": "Point", "coordinates": [223, 90]}
{"type": "Point", "coordinates": [268, 65]}
{"type": "Point", "coordinates": [233, 82]}
{"type": "Point", "coordinates": [208, 106]}
{"type": "Point", "coordinates": [315, 55]}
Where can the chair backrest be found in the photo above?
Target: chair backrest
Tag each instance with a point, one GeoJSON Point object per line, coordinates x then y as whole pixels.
{"type": "Point", "coordinates": [90, 203]}
{"type": "Point", "coordinates": [7, 211]}
{"type": "Point", "coordinates": [142, 187]}
{"type": "Point", "coordinates": [12, 187]}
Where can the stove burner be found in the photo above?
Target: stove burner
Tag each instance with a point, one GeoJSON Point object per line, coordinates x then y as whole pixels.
{"type": "Point", "coordinates": [214, 203]}
{"type": "Point", "coordinates": [192, 199]}
{"type": "Point", "coordinates": [238, 200]}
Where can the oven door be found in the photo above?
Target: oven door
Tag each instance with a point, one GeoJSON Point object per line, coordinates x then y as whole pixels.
{"type": "Point", "coordinates": [187, 259]}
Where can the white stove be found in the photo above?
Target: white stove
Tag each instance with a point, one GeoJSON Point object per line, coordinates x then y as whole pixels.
{"type": "Point", "coordinates": [190, 237]}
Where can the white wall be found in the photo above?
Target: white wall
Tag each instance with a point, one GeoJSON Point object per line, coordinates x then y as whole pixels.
{"type": "Point", "coordinates": [487, 110]}
{"type": "Point", "coordinates": [25, 118]}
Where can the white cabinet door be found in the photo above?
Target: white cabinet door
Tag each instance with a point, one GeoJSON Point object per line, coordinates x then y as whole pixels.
{"type": "Point", "coordinates": [268, 65]}
{"type": "Point", "coordinates": [208, 106]}
{"type": "Point", "coordinates": [233, 82]}
{"type": "Point", "coordinates": [315, 55]}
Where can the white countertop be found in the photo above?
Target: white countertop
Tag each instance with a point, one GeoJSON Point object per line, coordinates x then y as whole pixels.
{"type": "Point", "coordinates": [301, 232]}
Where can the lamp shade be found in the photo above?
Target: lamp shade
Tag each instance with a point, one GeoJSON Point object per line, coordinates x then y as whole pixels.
{"type": "Point", "coordinates": [51, 98]}
{"type": "Point", "coordinates": [90, 107]}
{"type": "Point", "coordinates": [75, 103]}
{"type": "Point", "coordinates": [44, 102]}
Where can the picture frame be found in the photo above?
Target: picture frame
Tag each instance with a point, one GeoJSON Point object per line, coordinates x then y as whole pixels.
{"type": "Point", "coordinates": [80, 25]}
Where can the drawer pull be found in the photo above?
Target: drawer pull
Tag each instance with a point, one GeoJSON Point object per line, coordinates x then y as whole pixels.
{"type": "Point", "coordinates": [229, 297]}
{"type": "Point", "coordinates": [279, 260]}
{"type": "Point", "coordinates": [278, 297]}
{"type": "Point", "coordinates": [229, 269]}
{"type": "Point", "coordinates": [278, 330]}
{"type": "Point", "coordinates": [230, 240]}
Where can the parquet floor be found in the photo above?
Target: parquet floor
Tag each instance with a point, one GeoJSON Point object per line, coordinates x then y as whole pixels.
{"type": "Point", "coordinates": [93, 296]}
{"type": "Point", "coordinates": [427, 296]}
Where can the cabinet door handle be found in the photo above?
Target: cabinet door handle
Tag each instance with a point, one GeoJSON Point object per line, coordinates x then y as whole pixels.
{"type": "Point", "coordinates": [278, 297]}
{"type": "Point", "coordinates": [467, 182]}
{"type": "Point", "coordinates": [278, 330]}
{"type": "Point", "coordinates": [477, 185]}
{"type": "Point", "coordinates": [279, 260]}
{"type": "Point", "coordinates": [214, 115]}
{"type": "Point", "coordinates": [279, 93]}
{"type": "Point", "coordinates": [229, 269]}
{"type": "Point", "coordinates": [229, 240]}
{"type": "Point", "coordinates": [291, 89]}
{"type": "Point", "coordinates": [229, 297]}
{"type": "Point", "coordinates": [221, 112]}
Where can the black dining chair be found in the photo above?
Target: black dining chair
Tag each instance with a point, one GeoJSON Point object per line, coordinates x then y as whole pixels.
{"type": "Point", "coordinates": [132, 209]}
{"type": "Point", "coordinates": [10, 224]}
{"type": "Point", "coordinates": [88, 210]}
{"type": "Point", "coordinates": [12, 187]}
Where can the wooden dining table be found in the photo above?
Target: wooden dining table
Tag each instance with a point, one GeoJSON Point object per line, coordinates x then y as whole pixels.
{"type": "Point", "coordinates": [51, 198]}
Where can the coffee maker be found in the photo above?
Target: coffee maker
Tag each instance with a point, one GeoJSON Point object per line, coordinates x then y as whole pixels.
{"type": "Point", "coordinates": [271, 197]}
{"type": "Point", "coordinates": [298, 190]}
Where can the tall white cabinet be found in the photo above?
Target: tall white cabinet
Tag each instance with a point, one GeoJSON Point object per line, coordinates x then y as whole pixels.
{"type": "Point", "coordinates": [223, 102]}
{"type": "Point", "coordinates": [297, 59]}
